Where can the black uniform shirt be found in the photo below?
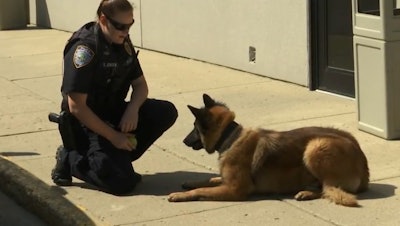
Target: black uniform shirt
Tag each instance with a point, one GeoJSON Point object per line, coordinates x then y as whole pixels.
{"type": "Point", "coordinates": [95, 67]}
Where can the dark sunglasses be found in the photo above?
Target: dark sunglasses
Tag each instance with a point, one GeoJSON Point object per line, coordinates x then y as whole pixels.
{"type": "Point", "coordinates": [119, 26]}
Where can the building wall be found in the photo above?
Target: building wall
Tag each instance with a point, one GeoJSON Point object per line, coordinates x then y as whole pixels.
{"type": "Point", "coordinates": [214, 31]}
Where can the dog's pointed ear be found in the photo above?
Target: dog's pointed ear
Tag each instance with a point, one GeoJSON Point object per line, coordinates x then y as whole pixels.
{"type": "Point", "coordinates": [208, 101]}
{"type": "Point", "coordinates": [195, 111]}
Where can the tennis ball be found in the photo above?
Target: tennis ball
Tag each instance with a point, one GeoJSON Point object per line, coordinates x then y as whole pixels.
{"type": "Point", "coordinates": [133, 140]}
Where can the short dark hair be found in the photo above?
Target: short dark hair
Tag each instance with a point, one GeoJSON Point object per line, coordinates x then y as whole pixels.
{"type": "Point", "coordinates": [112, 7]}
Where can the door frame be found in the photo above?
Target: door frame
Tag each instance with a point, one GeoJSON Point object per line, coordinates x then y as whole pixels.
{"type": "Point", "coordinates": [318, 44]}
{"type": "Point", "coordinates": [313, 78]}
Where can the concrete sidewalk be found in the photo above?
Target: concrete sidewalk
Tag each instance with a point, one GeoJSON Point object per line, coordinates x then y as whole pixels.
{"type": "Point", "coordinates": [30, 77]}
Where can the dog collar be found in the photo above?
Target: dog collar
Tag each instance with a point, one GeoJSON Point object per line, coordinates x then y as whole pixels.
{"type": "Point", "coordinates": [229, 130]}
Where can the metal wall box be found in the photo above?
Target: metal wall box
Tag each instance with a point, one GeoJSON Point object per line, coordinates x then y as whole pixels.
{"type": "Point", "coordinates": [376, 28]}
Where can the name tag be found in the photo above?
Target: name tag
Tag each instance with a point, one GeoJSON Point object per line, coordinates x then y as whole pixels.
{"type": "Point", "coordinates": [110, 65]}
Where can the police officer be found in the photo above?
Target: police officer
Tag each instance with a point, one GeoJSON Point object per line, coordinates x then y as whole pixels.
{"type": "Point", "coordinates": [100, 65]}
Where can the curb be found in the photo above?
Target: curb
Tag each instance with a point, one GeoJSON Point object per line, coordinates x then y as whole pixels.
{"type": "Point", "coordinates": [39, 198]}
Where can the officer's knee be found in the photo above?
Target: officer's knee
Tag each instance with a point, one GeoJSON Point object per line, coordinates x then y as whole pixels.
{"type": "Point", "coordinates": [170, 113]}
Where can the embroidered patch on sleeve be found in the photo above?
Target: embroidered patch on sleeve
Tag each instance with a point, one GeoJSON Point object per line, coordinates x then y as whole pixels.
{"type": "Point", "coordinates": [83, 56]}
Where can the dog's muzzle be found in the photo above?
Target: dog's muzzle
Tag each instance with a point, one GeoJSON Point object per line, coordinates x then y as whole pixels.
{"type": "Point", "coordinates": [193, 140]}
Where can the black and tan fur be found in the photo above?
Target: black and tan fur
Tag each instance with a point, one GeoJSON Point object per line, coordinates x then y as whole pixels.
{"type": "Point", "coordinates": [310, 162]}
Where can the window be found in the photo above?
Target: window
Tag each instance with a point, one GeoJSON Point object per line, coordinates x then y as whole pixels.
{"type": "Point", "coordinates": [369, 7]}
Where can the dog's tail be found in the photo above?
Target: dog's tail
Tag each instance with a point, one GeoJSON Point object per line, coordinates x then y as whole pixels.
{"type": "Point", "coordinates": [339, 196]}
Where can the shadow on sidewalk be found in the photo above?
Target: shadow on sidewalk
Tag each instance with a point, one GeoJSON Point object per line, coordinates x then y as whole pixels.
{"type": "Point", "coordinates": [164, 183]}
{"type": "Point", "coordinates": [159, 184]}
{"type": "Point", "coordinates": [378, 191]}
{"type": "Point", "coordinates": [14, 154]}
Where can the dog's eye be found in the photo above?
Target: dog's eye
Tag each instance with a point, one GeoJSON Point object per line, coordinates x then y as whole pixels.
{"type": "Point", "coordinates": [201, 127]}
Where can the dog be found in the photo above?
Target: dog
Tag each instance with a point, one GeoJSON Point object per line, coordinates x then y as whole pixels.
{"type": "Point", "coordinates": [310, 162]}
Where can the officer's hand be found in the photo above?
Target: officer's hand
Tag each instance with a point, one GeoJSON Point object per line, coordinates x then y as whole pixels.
{"type": "Point", "coordinates": [123, 141]}
{"type": "Point", "coordinates": [129, 121]}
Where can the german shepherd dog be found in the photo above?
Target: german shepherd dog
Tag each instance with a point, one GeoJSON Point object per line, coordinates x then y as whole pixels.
{"type": "Point", "coordinates": [310, 162]}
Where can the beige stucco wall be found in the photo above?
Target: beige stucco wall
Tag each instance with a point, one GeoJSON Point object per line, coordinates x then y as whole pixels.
{"type": "Point", "coordinates": [214, 31]}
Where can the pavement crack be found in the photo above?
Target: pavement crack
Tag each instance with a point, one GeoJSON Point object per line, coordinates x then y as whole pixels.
{"type": "Point", "coordinates": [310, 118]}
{"type": "Point", "coordinates": [213, 88]}
{"type": "Point", "coordinates": [186, 159]}
{"type": "Point", "coordinates": [30, 55]}
{"type": "Point", "coordinates": [31, 92]}
{"type": "Point", "coordinates": [181, 215]}
{"type": "Point", "coordinates": [25, 133]}
{"type": "Point", "coordinates": [385, 178]}
{"type": "Point", "coordinates": [311, 213]}
{"type": "Point", "coordinates": [33, 78]}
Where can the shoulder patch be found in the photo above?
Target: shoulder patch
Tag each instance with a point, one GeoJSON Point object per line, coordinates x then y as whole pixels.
{"type": "Point", "coordinates": [83, 56]}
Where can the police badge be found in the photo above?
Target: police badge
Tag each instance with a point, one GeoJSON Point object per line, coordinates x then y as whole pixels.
{"type": "Point", "coordinates": [83, 56]}
{"type": "Point", "coordinates": [128, 48]}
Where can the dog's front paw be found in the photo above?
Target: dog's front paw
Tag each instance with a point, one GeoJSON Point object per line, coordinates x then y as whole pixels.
{"type": "Point", "coordinates": [179, 197]}
{"type": "Point", "coordinates": [307, 195]}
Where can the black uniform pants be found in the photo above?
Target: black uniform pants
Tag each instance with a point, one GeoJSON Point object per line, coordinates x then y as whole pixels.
{"type": "Point", "coordinates": [109, 168]}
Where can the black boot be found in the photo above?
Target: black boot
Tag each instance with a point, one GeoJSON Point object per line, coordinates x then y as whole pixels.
{"type": "Point", "coordinates": [61, 174]}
